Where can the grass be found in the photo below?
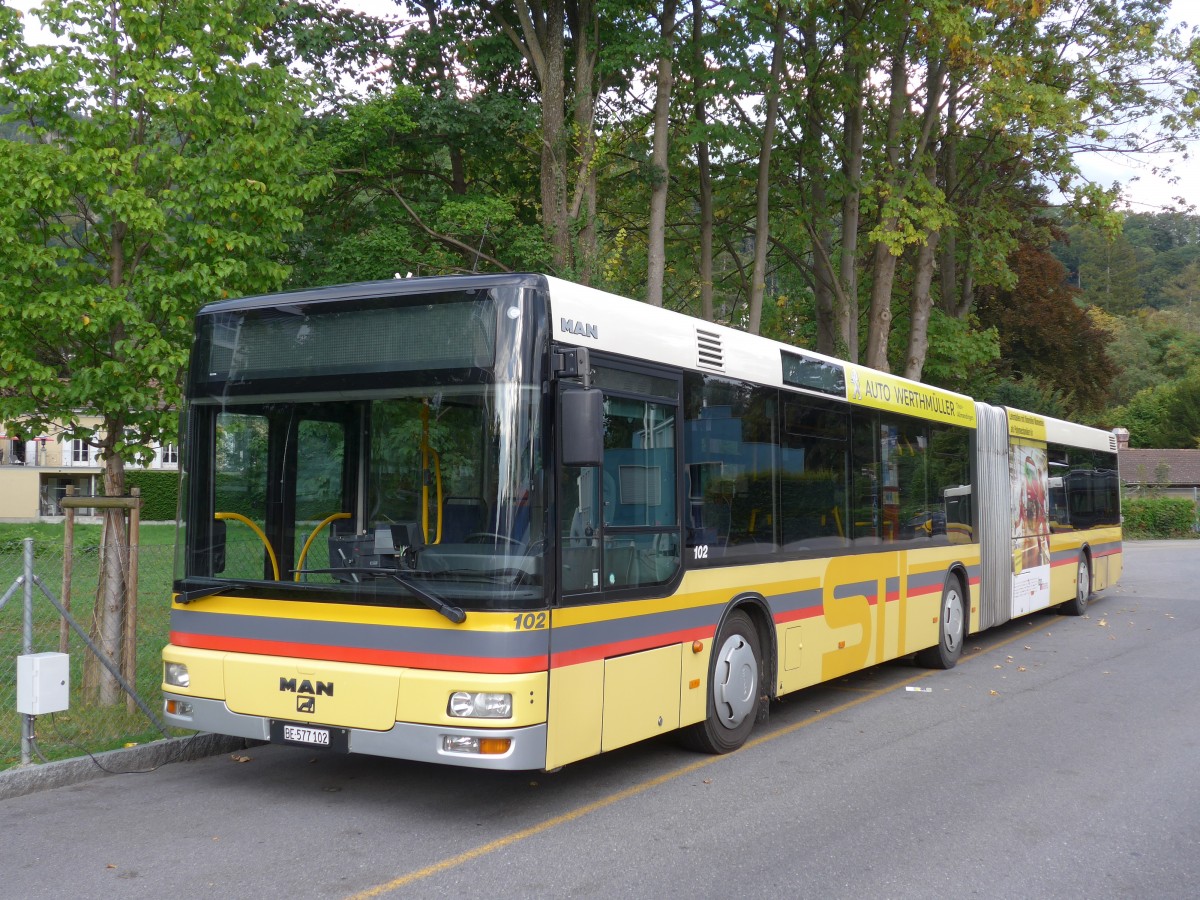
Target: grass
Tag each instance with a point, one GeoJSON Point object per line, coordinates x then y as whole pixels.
{"type": "Point", "coordinates": [84, 727]}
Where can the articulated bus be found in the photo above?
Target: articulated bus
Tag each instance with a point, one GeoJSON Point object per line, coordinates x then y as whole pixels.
{"type": "Point", "coordinates": [508, 522]}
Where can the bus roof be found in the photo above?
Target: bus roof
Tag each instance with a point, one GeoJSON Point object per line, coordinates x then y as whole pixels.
{"type": "Point", "coordinates": [591, 318]}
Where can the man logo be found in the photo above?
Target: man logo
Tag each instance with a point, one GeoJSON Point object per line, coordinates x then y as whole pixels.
{"type": "Point", "coordinates": [583, 329]}
{"type": "Point", "coordinates": [290, 685]}
{"type": "Point", "coordinates": [306, 705]}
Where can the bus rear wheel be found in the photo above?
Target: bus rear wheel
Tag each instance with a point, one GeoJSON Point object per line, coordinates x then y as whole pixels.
{"type": "Point", "coordinates": [1078, 605]}
{"type": "Point", "coordinates": [952, 629]}
{"type": "Point", "coordinates": [734, 677]}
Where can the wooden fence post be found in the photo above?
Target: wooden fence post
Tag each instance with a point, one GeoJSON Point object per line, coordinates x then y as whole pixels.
{"type": "Point", "coordinates": [129, 667]}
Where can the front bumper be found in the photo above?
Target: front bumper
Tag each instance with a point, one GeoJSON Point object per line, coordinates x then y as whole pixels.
{"type": "Point", "coordinates": [405, 740]}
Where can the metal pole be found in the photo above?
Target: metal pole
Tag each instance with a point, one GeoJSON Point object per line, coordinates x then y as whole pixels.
{"type": "Point", "coordinates": [27, 647]}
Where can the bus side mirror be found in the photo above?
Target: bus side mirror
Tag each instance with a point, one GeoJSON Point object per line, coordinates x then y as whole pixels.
{"type": "Point", "coordinates": [583, 427]}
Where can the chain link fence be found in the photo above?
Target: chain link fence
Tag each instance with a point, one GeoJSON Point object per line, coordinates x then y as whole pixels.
{"type": "Point", "coordinates": [86, 726]}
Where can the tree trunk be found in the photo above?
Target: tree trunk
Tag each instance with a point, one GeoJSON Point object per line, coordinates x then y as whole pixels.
{"type": "Point", "coordinates": [823, 288]}
{"type": "Point", "coordinates": [762, 226]}
{"type": "Point", "coordinates": [949, 168]}
{"type": "Point", "coordinates": [585, 31]}
{"type": "Point", "coordinates": [699, 85]}
{"type": "Point", "coordinates": [542, 42]}
{"type": "Point", "coordinates": [108, 622]}
{"type": "Point", "coordinates": [846, 313]}
{"type": "Point", "coordinates": [883, 260]}
{"type": "Point", "coordinates": [813, 175]}
{"type": "Point", "coordinates": [554, 140]}
{"type": "Point", "coordinates": [656, 249]}
{"type": "Point", "coordinates": [922, 307]}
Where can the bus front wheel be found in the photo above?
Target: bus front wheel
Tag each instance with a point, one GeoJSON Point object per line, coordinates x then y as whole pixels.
{"type": "Point", "coordinates": [734, 679]}
{"type": "Point", "coordinates": [952, 629]}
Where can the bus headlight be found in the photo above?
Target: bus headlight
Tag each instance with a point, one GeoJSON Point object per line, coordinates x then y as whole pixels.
{"type": "Point", "coordinates": [479, 705]}
{"type": "Point", "coordinates": [176, 675]}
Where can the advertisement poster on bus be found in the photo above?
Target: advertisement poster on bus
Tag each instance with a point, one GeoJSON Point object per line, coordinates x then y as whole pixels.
{"type": "Point", "coordinates": [1030, 527]}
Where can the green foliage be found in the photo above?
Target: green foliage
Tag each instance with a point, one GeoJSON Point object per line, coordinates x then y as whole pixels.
{"type": "Point", "coordinates": [1159, 517]}
{"type": "Point", "coordinates": [160, 492]}
{"type": "Point", "coordinates": [1145, 262]}
{"type": "Point", "coordinates": [1152, 348]}
{"type": "Point", "coordinates": [422, 185]}
{"type": "Point", "coordinates": [1044, 336]}
{"type": "Point", "coordinates": [159, 169]}
{"type": "Point", "coordinates": [1027, 393]}
{"type": "Point", "coordinates": [960, 352]}
{"type": "Point", "coordinates": [1147, 417]}
{"type": "Point", "coordinates": [1164, 416]}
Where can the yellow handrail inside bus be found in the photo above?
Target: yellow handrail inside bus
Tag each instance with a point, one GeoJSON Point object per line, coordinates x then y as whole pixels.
{"type": "Point", "coordinates": [262, 537]}
{"type": "Point", "coordinates": [316, 531]}
{"type": "Point", "coordinates": [426, 452]}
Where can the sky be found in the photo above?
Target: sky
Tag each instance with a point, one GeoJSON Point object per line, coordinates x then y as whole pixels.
{"type": "Point", "coordinates": [1142, 189]}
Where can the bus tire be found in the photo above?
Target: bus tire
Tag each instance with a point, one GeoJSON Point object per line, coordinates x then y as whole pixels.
{"type": "Point", "coordinates": [952, 628]}
{"type": "Point", "coordinates": [1078, 605]}
{"type": "Point", "coordinates": [734, 685]}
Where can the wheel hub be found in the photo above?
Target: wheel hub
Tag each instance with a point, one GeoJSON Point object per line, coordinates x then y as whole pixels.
{"type": "Point", "coordinates": [736, 689]}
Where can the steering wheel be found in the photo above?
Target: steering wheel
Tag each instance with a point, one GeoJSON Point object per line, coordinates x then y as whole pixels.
{"type": "Point", "coordinates": [490, 537]}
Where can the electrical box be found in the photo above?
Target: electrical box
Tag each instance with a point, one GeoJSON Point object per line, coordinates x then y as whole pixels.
{"type": "Point", "coordinates": [43, 683]}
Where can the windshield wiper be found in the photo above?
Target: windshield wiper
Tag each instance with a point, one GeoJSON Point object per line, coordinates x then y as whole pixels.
{"type": "Point", "coordinates": [212, 590]}
{"type": "Point", "coordinates": [454, 613]}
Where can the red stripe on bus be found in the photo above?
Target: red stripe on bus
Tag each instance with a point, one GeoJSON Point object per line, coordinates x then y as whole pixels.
{"type": "Point", "coordinates": [923, 592]}
{"type": "Point", "coordinates": [507, 666]}
{"type": "Point", "coordinates": [808, 612]}
{"type": "Point", "coordinates": [603, 651]}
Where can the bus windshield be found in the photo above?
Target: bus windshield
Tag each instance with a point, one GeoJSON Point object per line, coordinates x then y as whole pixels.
{"type": "Point", "coordinates": [380, 480]}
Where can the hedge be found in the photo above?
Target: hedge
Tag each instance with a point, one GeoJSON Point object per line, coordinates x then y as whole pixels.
{"type": "Point", "coordinates": [1159, 517]}
{"type": "Point", "coordinates": [160, 493]}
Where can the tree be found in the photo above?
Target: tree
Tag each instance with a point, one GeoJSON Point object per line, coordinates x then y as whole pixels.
{"type": "Point", "coordinates": [1044, 335]}
{"type": "Point", "coordinates": [1164, 416]}
{"type": "Point", "coordinates": [656, 236]}
{"type": "Point", "coordinates": [544, 34]}
{"type": "Point", "coordinates": [157, 170]}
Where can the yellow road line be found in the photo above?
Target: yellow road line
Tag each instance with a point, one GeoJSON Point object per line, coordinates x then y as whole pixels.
{"type": "Point", "coordinates": [636, 789]}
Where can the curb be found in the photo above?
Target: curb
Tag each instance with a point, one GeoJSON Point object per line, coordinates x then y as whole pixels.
{"type": "Point", "coordinates": [128, 760]}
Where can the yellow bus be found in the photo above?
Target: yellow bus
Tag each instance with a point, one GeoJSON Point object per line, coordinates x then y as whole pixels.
{"type": "Point", "coordinates": [509, 522]}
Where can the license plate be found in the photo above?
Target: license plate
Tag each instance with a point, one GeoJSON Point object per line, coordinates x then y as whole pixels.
{"type": "Point", "coordinates": [336, 739]}
{"type": "Point", "coordinates": [296, 734]}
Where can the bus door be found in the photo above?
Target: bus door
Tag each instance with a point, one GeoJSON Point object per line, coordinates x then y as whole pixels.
{"type": "Point", "coordinates": [615, 672]}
